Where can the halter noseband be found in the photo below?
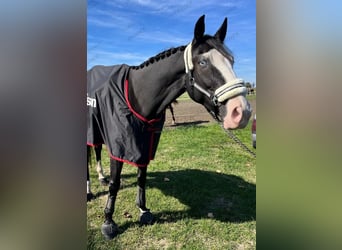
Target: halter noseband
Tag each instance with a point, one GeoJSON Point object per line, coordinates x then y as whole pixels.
{"type": "Point", "coordinates": [228, 90]}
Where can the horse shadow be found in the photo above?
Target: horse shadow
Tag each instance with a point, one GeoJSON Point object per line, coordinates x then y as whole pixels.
{"type": "Point", "coordinates": [206, 194]}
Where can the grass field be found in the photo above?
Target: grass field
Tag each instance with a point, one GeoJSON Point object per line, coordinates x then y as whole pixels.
{"type": "Point", "coordinates": [201, 187]}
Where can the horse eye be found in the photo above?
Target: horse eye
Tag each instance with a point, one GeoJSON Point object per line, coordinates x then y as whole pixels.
{"type": "Point", "coordinates": [202, 62]}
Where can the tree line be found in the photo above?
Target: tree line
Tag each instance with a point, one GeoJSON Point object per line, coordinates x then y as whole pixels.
{"type": "Point", "coordinates": [251, 88]}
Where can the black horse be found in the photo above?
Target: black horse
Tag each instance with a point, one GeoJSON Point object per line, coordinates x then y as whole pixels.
{"type": "Point", "coordinates": [203, 68]}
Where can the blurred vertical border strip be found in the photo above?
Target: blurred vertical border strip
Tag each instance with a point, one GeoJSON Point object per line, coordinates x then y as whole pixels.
{"type": "Point", "coordinates": [299, 117]}
{"type": "Point", "coordinates": [42, 91]}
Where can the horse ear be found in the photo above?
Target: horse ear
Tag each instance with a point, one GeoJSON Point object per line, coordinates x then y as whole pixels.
{"type": "Point", "coordinates": [222, 31]}
{"type": "Point", "coordinates": [199, 28]}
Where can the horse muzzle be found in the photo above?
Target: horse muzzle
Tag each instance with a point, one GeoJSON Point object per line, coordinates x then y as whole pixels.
{"type": "Point", "coordinates": [237, 110]}
{"type": "Point", "coordinates": [228, 103]}
{"type": "Point", "coordinates": [237, 113]}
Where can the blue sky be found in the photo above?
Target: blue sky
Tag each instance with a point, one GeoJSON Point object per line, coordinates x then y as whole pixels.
{"type": "Point", "coordinates": [131, 31]}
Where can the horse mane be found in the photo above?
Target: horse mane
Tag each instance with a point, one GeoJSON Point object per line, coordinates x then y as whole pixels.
{"type": "Point", "coordinates": [211, 41]}
{"type": "Point", "coordinates": [160, 56]}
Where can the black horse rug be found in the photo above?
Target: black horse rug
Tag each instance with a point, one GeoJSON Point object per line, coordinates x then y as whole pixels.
{"type": "Point", "coordinates": [129, 137]}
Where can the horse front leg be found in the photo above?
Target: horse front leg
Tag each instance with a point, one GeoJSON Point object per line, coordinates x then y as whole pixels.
{"type": "Point", "coordinates": [109, 228]}
{"type": "Point", "coordinates": [103, 180]}
{"type": "Point", "coordinates": [146, 217]}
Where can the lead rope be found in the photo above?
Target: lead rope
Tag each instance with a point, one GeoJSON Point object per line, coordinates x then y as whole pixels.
{"type": "Point", "coordinates": [238, 141]}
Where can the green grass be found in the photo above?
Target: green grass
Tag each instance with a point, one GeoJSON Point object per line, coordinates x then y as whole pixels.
{"type": "Point", "coordinates": [208, 173]}
{"type": "Point", "coordinates": [184, 97]}
{"type": "Point", "coordinates": [251, 97]}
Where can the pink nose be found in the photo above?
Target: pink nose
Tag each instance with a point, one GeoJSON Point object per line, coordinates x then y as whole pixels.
{"type": "Point", "coordinates": [235, 113]}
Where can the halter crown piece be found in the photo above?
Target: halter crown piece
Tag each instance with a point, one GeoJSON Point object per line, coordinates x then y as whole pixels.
{"type": "Point", "coordinates": [228, 90]}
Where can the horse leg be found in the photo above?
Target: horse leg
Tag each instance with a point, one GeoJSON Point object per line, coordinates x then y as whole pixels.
{"type": "Point", "coordinates": [103, 180]}
{"type": "Point", "coordinates": [173, 115]}
{"type": "Point", "coordinates": [146, 217]}
{"type": "Point", "coordinates": [90, 195]}
{"type": "Point", "coordinates": [109, 228]}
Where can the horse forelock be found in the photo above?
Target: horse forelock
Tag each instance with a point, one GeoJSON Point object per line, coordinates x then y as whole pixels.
{"type": "Point", "coordinates": [208, 42]}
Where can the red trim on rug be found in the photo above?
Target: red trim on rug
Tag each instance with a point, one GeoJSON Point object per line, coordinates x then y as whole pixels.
{"type": "Point", "coordinates": [93, 145]}
{"type": "Point", "coordinates": [140, 117]}
{"type": "Point", "coordinates": [151, 130]}
{"type": "Point", "coordinates": [119, 159]}
{"type": "Point", "coordinates": [125, 161]}
{"type": "Point", "coordinates": [128, 162]}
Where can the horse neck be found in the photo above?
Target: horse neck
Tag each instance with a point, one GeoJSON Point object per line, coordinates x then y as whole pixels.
{"type": "Point", "coordinates": [153, 87]}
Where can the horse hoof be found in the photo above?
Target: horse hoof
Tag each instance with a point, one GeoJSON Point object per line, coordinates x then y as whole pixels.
{"type": "Point", "coordinates": [104, 181]}
{"type": "Point", "coordinates": [146, 218]}
{"type": "Point", "coordinates": [109, 230]}
{"type": "Point", "coordinates": [90, 196]}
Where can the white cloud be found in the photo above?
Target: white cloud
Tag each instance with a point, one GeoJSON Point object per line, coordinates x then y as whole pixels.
{"type": "Point", "coordinates": [103, 57]}
{"type": "Point", "coordinates": [102, 23]}
{"type": "Point", "coordinates": [163, 37]}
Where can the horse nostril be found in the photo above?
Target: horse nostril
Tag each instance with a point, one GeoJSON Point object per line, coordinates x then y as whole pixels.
{"type": "Point", "coordinates": [236, 114]}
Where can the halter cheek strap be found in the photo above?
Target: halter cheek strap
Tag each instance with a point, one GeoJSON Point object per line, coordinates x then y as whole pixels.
{"type": "Point", "coordinates": [198, 87]}
{"type": "Point", "coordinates": [221, 94]}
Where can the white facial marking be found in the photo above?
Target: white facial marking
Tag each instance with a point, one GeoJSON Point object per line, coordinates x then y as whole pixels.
{"type": "Point", "coordinates": [221, 63]}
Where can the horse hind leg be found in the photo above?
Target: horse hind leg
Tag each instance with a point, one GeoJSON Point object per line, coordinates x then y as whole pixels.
{"type": "Point", "coordinates": [173, 115]}
{"type": "Point", "coordinates": [103, 180]}
{"type": "Point", "coordinates": [109, 228]}
{"type": "Point", "coordinates": [145, 217]}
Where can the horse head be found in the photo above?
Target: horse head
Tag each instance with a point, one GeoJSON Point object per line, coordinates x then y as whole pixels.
{"type": "Point", "coordinates": [212, 80]}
